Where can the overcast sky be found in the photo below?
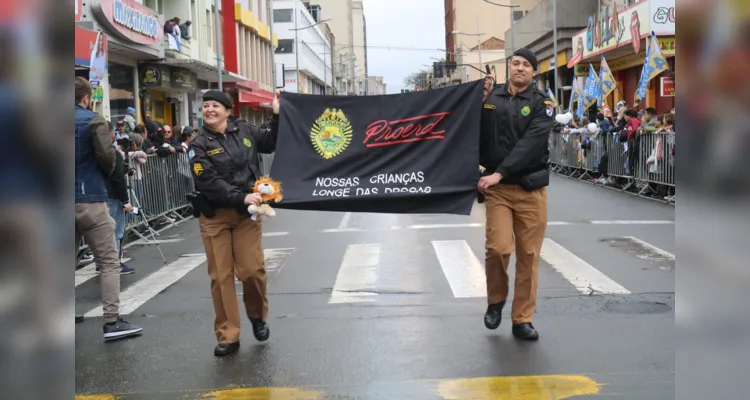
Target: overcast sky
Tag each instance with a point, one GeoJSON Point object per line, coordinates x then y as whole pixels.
{"type": "Point", "coordinates": [415, 24]}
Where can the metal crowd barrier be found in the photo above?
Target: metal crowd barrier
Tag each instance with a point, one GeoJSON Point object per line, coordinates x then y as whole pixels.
{"type": "Point", "coordinates": [159, 188]}
{"type": "Point", "coordinates": [642, 162]}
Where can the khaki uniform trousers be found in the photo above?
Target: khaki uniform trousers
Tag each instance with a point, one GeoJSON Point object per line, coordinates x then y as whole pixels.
{"type": "Point", "coordinates": [234, 246]}
{"type": "Point", "coordinates": [514, 213]}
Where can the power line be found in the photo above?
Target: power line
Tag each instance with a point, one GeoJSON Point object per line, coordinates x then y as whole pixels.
{"type": "Point", "coordinates": [380, 47]}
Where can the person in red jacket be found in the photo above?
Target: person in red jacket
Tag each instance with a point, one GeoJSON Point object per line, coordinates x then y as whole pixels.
{"type": "Point", "coordinates": [632, 123]}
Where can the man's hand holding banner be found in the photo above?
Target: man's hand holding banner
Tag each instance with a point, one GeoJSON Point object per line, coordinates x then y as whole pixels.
{"type": "Point", "coordinates": [403, 153]}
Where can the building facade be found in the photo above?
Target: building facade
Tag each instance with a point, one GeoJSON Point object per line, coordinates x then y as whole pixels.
{"type": "Point", "coordinates": [304, 50]}
{"type": "Point", "coordinates": [248, 57]}
{"type": "Point", "coordinates": [359, 24]}
{"type": "Point", "coordinates": [535, 32]}
{"type": "Point", "coordinates": [471, 22]}
{"type": "Point", "coordinates": [164, 75]}
{"type": "Point", "coordinates": [376, 86]}
{"type": "Point", "coordinates": [622, 40]}
{"type": "Point", "coordinates": [349, 60]}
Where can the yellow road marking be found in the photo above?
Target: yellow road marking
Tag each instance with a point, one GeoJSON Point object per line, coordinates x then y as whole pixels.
{"type": "Point", "coordinates": [543, 387]}
{"type": "Point", "coordinates": [263, 394]}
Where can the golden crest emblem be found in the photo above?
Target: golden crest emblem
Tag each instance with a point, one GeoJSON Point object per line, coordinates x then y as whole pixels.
{"type": "Point", "coordinates": [331, 133]}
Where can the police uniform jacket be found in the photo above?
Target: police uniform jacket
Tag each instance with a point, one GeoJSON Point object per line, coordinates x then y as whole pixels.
{"type": "Point", "coordinates": [225, 167]}
{"type": "Point", "coordinates": [515, 132]}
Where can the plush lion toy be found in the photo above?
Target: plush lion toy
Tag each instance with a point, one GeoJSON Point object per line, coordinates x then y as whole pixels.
{"type": "Point", "coordinates": [270, 191]}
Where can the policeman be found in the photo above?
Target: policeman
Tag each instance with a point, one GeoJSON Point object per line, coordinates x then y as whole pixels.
{"type": "Point", "coordinates": [516, 121]}
{"type": "Point", "coordinates": [224, 161]}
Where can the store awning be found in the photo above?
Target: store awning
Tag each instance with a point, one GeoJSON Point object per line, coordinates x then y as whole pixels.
{"type": "Point", "coordinates": [251, 94]}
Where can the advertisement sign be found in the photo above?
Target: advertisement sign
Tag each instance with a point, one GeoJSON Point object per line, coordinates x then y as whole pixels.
{"type": "Point", "coordinates": [407, 153]}
{"type": "Point", "coordinates": [152, 76]}
{"type": "Point", "coordinates": [667, 86]}
{"type": "Point", "coordinates": [85, 41]}
{"type": "Point", "coordinates": [662, 17]}
{"type": "Point", "coordinates": [184, 79]}
{"type": "Point", "coordinates": [129, 20]}
{"type": "Point", "coordinates": [158, 76]}
{"type": "Point", "coordinates": [611, 29]}
{"type": "Point", "coordinates": [98, 66]}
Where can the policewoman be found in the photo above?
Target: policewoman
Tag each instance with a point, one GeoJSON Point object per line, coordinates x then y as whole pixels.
{"type": "Point", "coordinates": [516, 122]}
{"type": "Point", "coordinates": [224, 162]}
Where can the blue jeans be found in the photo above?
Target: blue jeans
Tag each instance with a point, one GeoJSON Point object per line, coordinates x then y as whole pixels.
{"type": "Point", "coordinates": [117, 214]}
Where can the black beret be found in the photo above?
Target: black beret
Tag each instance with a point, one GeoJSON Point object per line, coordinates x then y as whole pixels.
{"type": "Point", "coordinates": [216, 95]}
{"type": "Point", "coordinates": [528, 55]}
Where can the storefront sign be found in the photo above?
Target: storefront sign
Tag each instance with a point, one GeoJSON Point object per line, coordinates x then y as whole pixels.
{"type": "Point", "coordinates": [662, 17]}
{"type": "Point", "coordinates": [184, 79]}
{"type": "Point", "coordinates": [632, 60]}
{"type": "Point", "coordinates": [154, 76]}
{"type": "Point", "coordinates": [129, 20]}
{"type": "Point", "coordinates": [668, 46]}
{"type": "Point", "coordinates": [667, 86]}
{"type": "Point", "coordinates": [606, 32]}
{"type": "Point", "coordinates": [85, 40]}
{"type": "Point", "coordinates": [157, 76]}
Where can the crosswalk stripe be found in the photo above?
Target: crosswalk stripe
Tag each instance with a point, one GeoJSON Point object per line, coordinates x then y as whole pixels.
{"type": "Point", "coordinates": [578, 272]}
{"type": "Point", "coordinates": [358, 280]}
{"type": "Point", "coordinates": [358, 275]}
{"type": "Point", "coordinates": [462, 269]}
{"type": "Point", "coordinates": [658, 253]}
{"type": "Point", "coordinates": [142, 291]}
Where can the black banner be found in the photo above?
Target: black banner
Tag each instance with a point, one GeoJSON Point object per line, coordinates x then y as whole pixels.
{"type": "Point", "coordinates": [403, 153]}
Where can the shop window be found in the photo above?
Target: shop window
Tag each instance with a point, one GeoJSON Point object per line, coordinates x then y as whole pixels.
{"type": "Point", "coordinates": [121, 91]}
{"type": "Point", "coordinates": [155, 5]}
{"type": "Point", "coordinates": [286, 46]}
{"type": "Point", "coordinates": [284, 15]}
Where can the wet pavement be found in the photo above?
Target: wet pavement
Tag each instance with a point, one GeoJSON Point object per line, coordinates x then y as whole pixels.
{"type": "Point", "coordinates": [369, 306]}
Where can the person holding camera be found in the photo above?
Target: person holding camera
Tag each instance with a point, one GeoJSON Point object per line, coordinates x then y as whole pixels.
{"type": "Point", "coordinates": [118, 201]}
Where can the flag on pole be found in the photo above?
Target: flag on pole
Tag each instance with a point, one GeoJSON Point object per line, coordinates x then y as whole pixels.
{"type": "Point", "coordinates": [552, 97]}
{"type": "Point", "coordinates": [591, 91]}
{"type": "Point", "coordinates": [607, 82]}
{"type": "Point", "coordinates": [654, 64]}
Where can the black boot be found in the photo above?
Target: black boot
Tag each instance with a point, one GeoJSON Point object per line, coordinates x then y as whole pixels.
{"type": "Point", "coordinates": [225, 349]}
{"type": "Point", "coordinates": [260, 329]}
{"type": "Point", "coordinates": [493, 315]}
{"type": "Point", "coordinates": [525, 331]}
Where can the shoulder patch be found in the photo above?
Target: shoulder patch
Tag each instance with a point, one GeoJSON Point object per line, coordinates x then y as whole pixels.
{"type": "Point", "coordinates": [197, 169]}
{"type": "Point", "coordinates": [191, 154]}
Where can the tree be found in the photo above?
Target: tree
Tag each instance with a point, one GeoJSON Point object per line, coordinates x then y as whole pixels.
{"type": "Point", "coordinates": [417, 78]}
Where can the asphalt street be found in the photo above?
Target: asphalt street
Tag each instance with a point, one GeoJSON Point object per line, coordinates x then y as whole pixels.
{"type": "Point", "coordinates": [366, 306]}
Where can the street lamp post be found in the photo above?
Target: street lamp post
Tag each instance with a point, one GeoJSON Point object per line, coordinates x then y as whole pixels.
{"type": "Point", "coordinates": [218, 44]}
